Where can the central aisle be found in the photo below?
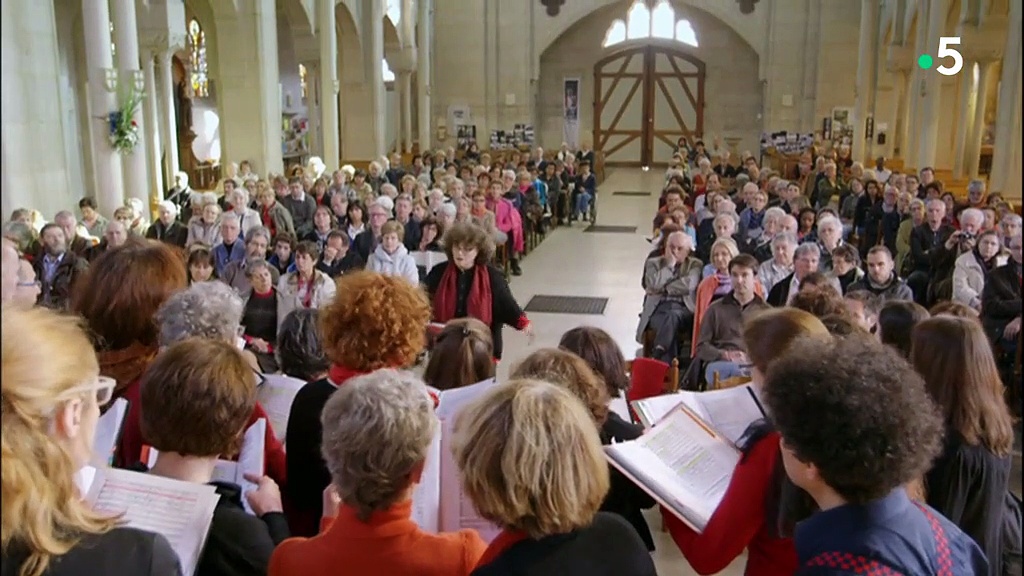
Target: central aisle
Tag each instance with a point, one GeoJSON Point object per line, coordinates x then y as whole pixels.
{"type": "Point", "coordinates": [607, 265]}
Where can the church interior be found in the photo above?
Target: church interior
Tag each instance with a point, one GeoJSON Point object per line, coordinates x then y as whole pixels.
{"type": "Point", "coordinates": [251, 136]}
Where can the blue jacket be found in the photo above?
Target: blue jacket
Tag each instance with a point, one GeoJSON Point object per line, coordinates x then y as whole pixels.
{"type": "Point", "coordinates": [891, 536]}
{"type": "Point", "coordinates": [221, 257]}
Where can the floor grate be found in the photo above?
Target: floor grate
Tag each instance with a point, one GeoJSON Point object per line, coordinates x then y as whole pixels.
{"type": "Point", "coordinates": [544, 304]}
{"type": "Point", "coordinates": [631, 193]}
{"type": "Point", "coordinates": [611, 229]}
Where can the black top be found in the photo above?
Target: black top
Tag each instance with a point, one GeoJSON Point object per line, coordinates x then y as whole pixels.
{"type": "Point", "coordinates": [624, 497]}
{"type": "Point", "coordinates": [176, 234]}
{"type": "Point", "coordinates": [969, 486]}
{"type": "Point", "coordinates": [239, 544]}
{"type": "Point", "coordinates": [340, 266]}
{"type": "Point", "coordinates": [609, 546]}
{"type": "Point", "coordinates": [927, 246]}
{"type": "Point", "coordinates": [504, 308]}
{"type": "Point", "coordinates": [364, 244]}
{"type": "Point", "coordinates": [779, 294]}
{"type": "Point", "coordinates": [260, 316]}
{"type": "Point", "coordinates": [1001, 298]}
{"type": "Point", "coordinates": [307, 472]}
{"type": "Point", "coordinates": [119, 552]}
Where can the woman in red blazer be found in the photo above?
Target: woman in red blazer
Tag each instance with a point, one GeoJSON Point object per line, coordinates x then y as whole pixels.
{"type": "Point", "coordinates": [760, 505]}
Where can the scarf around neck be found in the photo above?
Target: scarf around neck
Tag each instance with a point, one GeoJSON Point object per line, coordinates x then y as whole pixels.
{"type": "Point", "coordinates": [479, 300]}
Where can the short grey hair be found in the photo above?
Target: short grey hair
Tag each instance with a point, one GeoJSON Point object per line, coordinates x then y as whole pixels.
{"type": "Point", "coordinates": [687, 239]}
{"type": "Point", "coordinates": [376, 429]}
{"type": "Point", "coordinates": [829, 220]}
{"type": "Point", "coordinates": [784, 237]}
{"type": "Point", "coordinates": [508, 174]}
{"type": "Point", "coordinates": [299, 350]}
{"type": "Point", "coordinates": [257, 231]}
{"type": "Point", "coordinates": [774, 213]}
{"type": "Point", "coordinates": [973, 214]}
{"type": "Point", "coordinates": [63, 214]}
{"type": "Point", "coordinates": [976, 186]}
{"type": "Point", "coordinates": [169, 206]}
{"type": "Point", "coordinates": [751, 186]}
{"type": "Point", "coordinates": [730, 215]}
{"type": "Point", "coordinates": [205, 310]}
{"type": "Point", "coordinates": [252, 265]}
{"type": "Point", "coordinates": [448, 209]}
{"type": "Point", "coordinates": [741, 179]}
{"type": "Point", "coordinates": [807, 248]}
{"type": "Point", "coordinates": [230, 216]}
{"type": "Point", "coordinates": [1011, 219]}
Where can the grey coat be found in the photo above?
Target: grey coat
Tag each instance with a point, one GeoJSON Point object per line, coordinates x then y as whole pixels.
{"type": "Point", "coordinates": [661, 281]}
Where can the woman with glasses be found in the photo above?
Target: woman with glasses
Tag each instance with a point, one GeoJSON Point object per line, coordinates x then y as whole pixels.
{"type": "Point", "coordinates": [467, 285]}
{"type": "Point", "coordinates": [52, 393]}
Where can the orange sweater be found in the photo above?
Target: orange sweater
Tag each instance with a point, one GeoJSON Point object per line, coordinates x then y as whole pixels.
{"type": "Point", "coordinates": [389, 543]}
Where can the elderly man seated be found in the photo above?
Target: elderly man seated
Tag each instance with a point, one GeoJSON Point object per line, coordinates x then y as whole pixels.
{"type": "Point", "coordinates": [805, 262]}
{"type": "Point", "coordinates": [671, 281]}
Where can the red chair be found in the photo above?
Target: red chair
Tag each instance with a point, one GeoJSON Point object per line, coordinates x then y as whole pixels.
{"type": "Point", "coordinates": [649, 377]}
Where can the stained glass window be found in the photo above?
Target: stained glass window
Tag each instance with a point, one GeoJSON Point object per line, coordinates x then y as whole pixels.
{"type": "Point", "coordinates": [197, 53]}
{"type": "Point", "coordinates": [302, 79]}
{"type": "Point", "coordinates": [394, 11]}
{"type": "Point", "coordinates": [642, 23]}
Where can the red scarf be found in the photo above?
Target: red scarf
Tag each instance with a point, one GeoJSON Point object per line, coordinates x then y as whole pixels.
{"type": "Point", "coordinates": [338, 375]}
{"type": "Point", "coordinates": [500, 545]}
{"type": "Point", "coordinates": [478, 304]}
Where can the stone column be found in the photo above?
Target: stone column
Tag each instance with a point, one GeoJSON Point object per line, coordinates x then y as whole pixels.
{"type": "Point", "coordinates": [314, 109]}
{"type": "Point", "coordinates": [406, 79]}
{"type": "Point", "coordinates": [152, 133]}
{"type": "Point", "coordinates": [109, 184]}
{"type": "Point", "coordinates": [867, 64]}
{"type": "Point", "coordinates": [972, 151]}
{"type": "Point", "coordinates": [968, 80]}
{"type": "Point", "coordinates": [909, 151]}
{"type": "Point", "coordinates": [373, 59]}
{"type": "Point", "coordinates": [168, 121]}
{"type": "Point", "coordinates": [126, 37]}
{"type": "Point", "coordinates": [328, 82]}
{"type": "Point", "coordinates": [423, 71]}
{"type": "Point", "coordinates": [902, 112]}
{"type": "Point", "coordinates": [1008, 122]}
{"type": "Point", "coordinates": [931, 101]}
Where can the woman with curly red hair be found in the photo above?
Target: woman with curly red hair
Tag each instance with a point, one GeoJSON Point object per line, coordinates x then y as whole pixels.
{"type": "Point", "coordinates": [374, 322]}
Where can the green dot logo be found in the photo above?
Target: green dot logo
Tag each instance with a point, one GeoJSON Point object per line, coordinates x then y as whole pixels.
{"type": "Point", "coordinates": [924, 61]}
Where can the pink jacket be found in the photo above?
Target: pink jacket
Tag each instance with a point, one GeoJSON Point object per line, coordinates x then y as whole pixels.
{"type": "Point", "coordinates": [508, 220]}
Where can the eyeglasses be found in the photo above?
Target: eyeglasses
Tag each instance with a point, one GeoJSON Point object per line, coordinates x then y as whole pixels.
{"type": "Point", "coordinates": [102, 386]}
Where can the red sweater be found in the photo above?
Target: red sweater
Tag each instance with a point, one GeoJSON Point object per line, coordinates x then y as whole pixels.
{"type": "Point", "coordinates": [739, 522]}
{"type": "Point", "coordinates": [129, 448]}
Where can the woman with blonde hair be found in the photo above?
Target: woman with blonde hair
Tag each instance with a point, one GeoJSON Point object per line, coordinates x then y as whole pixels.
{"type": "Point", "coordinates": [547, 507]}
{"type": "Point", "coordinates": [52, 393]}
{"type": "Point", "coordinates": [760, 507]}
{"type": "Point", "coordinates": [569, 371]}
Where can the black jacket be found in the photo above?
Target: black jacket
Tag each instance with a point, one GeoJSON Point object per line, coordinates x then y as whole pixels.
{"type": "Point", "coordinates": [239, 544]}
{"type": "Point", "coordinates": [119, 552]}
{"type": "Point", "coordinates": [176, 234]}
{"type": "Point", "coordinates": [307, 473]}
{"type": "Point", "coordinates": [1000, 299]}
{"type": "Point", "coordinates": [56, 293]}
{"type": "Point", "coordinates": [608, 547]}
{"type": "Point", "coordinates": [351, 261]}
{"type": "Point", "coordinates": [927, 247]}
{"type": "Point", "coordinates": [504, 308]}
{"type": "Point", "coordinates": [364, 244]}
{"type": "Point", "coordinates": [779, 294]}
{"type": "Point", "coordinates": [624, 497]}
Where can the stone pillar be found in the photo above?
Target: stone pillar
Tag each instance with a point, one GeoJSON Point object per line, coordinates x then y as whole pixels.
{"type": "Point", "coordinates": [867, 64]}
{"type": "Point", "coordinates": [406, 80]}
{"type": "Point", "coordinates": [126, 36]}
{"type": "Point", "coordinates": [168, 121]}
{"type": "Point", "coordinates": [902, 113]}
{"type": "Point", "coordinates": [423, 71]}
{"type": "Point", "coordinates": [373, 59]}
{"type": "Point", "coordinates": [328, 82]}
{"type": "Point", "coordinates": [910, 148]}
{"type": "Point", "coordinates": [972, 151]}
{"type": "Point", "coordinates": [314, 109]}
{"type": "Point", "coordinates": [1006, 151]}
{"type": "Point", "coordinates": [149, 105]}
{"type": "Point", "coordinates": [109, 184]}
{"type": "Point", "coordinates": [968, 79]}
{"type": "Point", "coordinates": [931, 81]}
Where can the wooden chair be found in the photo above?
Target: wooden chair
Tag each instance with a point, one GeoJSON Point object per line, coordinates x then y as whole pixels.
{"type": "Point", "coordinates": [501, 258]}
{"type": "Point", "coordinates": [719, 384]}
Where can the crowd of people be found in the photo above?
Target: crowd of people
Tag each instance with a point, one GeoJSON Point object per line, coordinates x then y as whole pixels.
{"type": "Point", "coordinates": [870, 397]}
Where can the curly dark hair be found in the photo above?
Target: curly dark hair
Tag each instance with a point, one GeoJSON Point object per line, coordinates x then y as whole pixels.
{"type": "Point", "coordinates": [857, 411]}
{"type": "Point", "coordinates": [469, 234]}
{"type": "Point", "coordinates": [375, 321]}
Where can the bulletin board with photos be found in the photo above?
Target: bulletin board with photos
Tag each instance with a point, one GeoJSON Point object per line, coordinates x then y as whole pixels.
{"type": "Point", "coordinates": [521, 136]}
{"type": "Point", "coordinates": [465, 135]}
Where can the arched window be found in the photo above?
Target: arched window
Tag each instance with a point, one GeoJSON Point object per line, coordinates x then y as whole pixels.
{"type": "Point", "coordinates": [394, 11]}
{"type": "Point", "coordinates": [642, 23]}
{"type": "Point", "coordinates": [197, 55]}
{"type": "Point", "coordinates": [302, 80]}
{"type": "Point", "coordinates": [386, 72]}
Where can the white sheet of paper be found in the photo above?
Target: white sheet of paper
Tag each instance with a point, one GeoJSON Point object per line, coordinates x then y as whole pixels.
{"type": "Point", "coordinates": [276, 394]}
{"type": "Point", "coordinates": [180, 511]}
{"type": "Point", "coordinates": [426, 497]}
{"type": "Point", "coordinates": [729, 411]}
{"type": "Point", "coordinates": [250, 458]}
{"type": "Point", "coordinates": [108, 432]}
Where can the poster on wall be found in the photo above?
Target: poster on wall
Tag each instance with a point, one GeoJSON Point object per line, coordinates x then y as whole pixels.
{"type": "Point", "coordinates": [842, 127]}
{"type": "Point", "coordinates": [571, 112]}
{"type": "Point", "coordinates": [465, 135]}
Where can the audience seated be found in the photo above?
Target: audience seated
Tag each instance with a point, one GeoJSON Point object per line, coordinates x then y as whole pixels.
{"type": "Point", "coordinates": [1001, 302]}
{"type": "Point", "coordinates": [805, 262]}
{"type": "Point", "coordinates": [671, 288]}
{"type": "Point", "coordinates": [57, 267]}
{"type": "Point", "coordinates": [236, 274]}
{"type": "Point", "coordinates": [548, 508]}
{"type": "Point", "coordinates": [780, 263]}
{"type": "Point", "coordinates": [376, 431]}
{"type": "Point", "coordinates": [391, 257]}
{"type": "Point", "coordinates": [856, 425]}
{"type": "Point", "coordinates": [52, 393]}
{"type": "Point", "coordinates": [928, 249]}
{"type": "Point", "coordinates": [306, 287]}
{"type": "Point", "coordinates": [462, 355]}
{"type": "Point", "coordinates": [229, 249]}
{"type": "Point", "coordinates": [973, 267]}
{"type": "Point", "coordinates": [846, 266]}
{"type": "Point", "coordinates": [881, 279]}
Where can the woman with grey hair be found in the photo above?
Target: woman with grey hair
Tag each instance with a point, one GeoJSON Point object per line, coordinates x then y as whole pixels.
{"type": "Point", "coordinates": [262, 307]}
{"type": "Point", "coordinates": [167, 228]}
{"type": "Point", "coordinates": [213, 311]}
{"type": "Point", "coordinates": [446, 214]}
{"type": "Point", "coordinates": [780, 265]}
{"type": "Point", "coordinates": [377, 430]}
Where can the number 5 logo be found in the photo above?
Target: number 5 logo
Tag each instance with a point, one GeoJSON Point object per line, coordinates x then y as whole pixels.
{"type": "Point", "coordinates": [944, 50]}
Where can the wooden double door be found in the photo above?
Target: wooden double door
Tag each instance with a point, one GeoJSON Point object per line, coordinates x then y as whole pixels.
{"type": "Point", "coordinates": [647, 97]}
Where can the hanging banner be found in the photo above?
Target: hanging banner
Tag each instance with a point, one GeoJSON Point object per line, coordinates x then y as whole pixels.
{"type": "Point", "coordinates": [571, 112]}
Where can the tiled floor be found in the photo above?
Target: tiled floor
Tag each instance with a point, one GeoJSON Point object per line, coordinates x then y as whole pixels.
{"type": "Point", "coordinates": [572, 263]}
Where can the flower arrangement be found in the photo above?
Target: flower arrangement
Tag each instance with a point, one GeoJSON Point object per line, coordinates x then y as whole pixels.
{"type": "Point", "coordinates": [124, 131]}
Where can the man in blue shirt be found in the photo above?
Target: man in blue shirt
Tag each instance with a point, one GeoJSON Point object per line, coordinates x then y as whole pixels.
{"type": "Point", "coordinates": [857, 425]}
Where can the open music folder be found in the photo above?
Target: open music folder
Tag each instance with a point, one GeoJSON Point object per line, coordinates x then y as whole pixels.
{"type": "Point", "coordinates": [439, 504]}
{"type": "Point", "coordinates": [180, 511]}
{"type": "Point", "coordinates": [108, 432]}
{"type": "Point", "coordinates": [682, 462]}
{"type": "Point", "coordinates": [729, 411]}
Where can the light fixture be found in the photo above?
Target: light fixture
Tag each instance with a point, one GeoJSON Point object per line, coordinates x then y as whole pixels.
{"type": "Point", "coordinates": [139, 80]}
{"type": "Point", "coordinates": [110, 79]}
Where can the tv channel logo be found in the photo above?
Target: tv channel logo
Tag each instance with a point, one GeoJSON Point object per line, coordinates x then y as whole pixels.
{"type": "Point", "coordinates": [925, 61]}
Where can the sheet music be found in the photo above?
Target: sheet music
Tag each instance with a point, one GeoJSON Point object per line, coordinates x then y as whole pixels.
{"type": "Point", "coordinates": [426, 496]}
{"type": "Point", "coordinates": [250, 458]}
{"type": "Point", "coordinates": [180, 511]}
{"type": "Point", "coordinates": [683, 462]}
{"type": "Point", "coordinates": [276, 394]}
{"type": "Point", "coordinates": [652, 410]}
{"type": "Point", "coordinates": [729, 411]}
{"type": "Point", "coordinates": [620, 407]}
{"type": "Point", "coordinates": [108, 432]}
